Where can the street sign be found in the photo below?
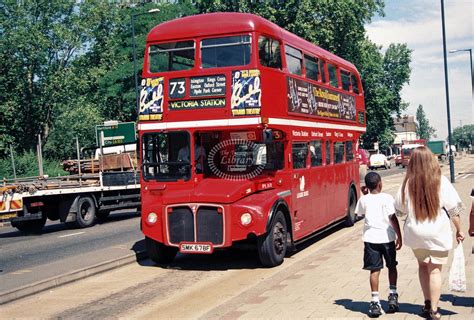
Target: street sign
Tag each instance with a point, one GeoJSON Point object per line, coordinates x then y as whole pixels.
{"type": "Point", "coordinates": [115, 133]}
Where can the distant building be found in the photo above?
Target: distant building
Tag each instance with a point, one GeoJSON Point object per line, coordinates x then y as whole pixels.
{"type": "Point", "coordinates": [405, 129]}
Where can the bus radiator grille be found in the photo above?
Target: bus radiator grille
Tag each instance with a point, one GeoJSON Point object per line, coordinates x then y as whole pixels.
{"type": "Point", "coordinates": [181, 225]}
{"type": "Point", "coordinates": [210, 225]}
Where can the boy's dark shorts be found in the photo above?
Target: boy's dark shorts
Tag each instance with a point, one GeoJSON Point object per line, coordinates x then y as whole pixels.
{"type": "Point", "coordinates": [373, 253]}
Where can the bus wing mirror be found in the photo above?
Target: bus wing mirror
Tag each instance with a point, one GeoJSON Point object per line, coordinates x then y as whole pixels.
{"type": "Point", "coordinates": [267, 135]}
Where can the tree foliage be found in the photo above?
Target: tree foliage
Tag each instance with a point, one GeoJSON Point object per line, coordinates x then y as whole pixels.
{"type": "Point", "coordinates": [423, 128]}
{"type": "Point", "coordinates": [463, 136]}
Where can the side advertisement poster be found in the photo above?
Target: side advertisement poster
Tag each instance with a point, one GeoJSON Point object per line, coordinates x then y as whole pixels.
{"type": "Point", "coordinates": [246, 93]}
{"type": "Point", "coordinates": [151, 99]}
{"type": "Point", "coordinates": [310, 99]}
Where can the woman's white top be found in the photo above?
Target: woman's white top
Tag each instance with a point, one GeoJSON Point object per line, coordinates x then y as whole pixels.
{"type": "Point", "coordinates": [435, 234]}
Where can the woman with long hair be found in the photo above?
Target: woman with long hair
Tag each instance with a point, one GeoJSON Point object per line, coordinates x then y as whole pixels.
{"type": "Point", "coordinates": [430, 201]}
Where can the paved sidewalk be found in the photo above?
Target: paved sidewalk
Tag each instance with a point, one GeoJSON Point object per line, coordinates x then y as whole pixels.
{"type": "Point", "coordinates": [330, 284]}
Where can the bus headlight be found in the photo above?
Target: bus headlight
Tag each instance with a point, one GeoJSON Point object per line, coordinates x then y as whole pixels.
{"type": "Point", "coordinates": [152, 218]}
{"type": "Point", "coordinates": [246, 219]}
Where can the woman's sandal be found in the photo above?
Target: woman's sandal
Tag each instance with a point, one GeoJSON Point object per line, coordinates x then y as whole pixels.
{"type": "Point", "coordinates": [425, 311]}
{"type": "Point", "coordinates": [434, 315]}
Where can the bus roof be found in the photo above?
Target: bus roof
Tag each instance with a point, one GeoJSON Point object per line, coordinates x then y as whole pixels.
{"type": "Point", "coordinates": [231, 22]}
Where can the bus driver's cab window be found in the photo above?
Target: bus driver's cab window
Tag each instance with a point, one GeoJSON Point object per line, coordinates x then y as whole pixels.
{"type": "Point", "coordinates": [269, 52]}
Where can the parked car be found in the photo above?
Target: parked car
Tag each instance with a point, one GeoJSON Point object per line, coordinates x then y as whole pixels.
{"type": "Point", "coordinates": [379, 161]}
{"type": "Point", "coordinates": [398, 160]}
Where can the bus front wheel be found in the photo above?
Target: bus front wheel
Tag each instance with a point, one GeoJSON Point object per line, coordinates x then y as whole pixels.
{"type": "Point", "coordinates": [158, 252]}
{"type": "Point", "coordinates": [272, 245]}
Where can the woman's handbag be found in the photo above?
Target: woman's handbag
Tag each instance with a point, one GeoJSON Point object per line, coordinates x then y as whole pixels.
{"type": "Point", "coordinates": [457, 274]}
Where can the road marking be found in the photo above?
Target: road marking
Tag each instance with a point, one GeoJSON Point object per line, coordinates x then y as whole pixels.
{"type": "Point", "coordinates": [21, 271]}
{"type": "Point", "coordinates": [464, 176]}
{"type": "Point", "coordinates": [71, 234]}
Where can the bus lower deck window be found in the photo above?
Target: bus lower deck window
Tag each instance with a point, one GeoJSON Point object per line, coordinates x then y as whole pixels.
{"type": "Point", "coordinates": [226, 51]}
{"type": "Point", "coordinates": [171, 56]}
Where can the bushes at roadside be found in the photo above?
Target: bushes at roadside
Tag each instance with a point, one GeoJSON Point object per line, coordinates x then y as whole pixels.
{"type": "Point", "coordinates": [26, 165]}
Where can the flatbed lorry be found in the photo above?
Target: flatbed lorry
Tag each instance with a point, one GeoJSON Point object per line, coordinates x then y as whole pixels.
{"type": "Point", "coordinates": [80, 199]}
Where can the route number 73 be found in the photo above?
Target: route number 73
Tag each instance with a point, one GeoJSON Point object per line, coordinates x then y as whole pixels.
{"type": "Point", "coordinates": [177, 88]}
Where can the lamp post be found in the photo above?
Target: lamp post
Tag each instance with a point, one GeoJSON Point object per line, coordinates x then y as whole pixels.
{"type": "Point", "coordinates": [472, 70]}
{"type": "Point", "coordinates": [450, 138]}
{"type": "Point", "coordinates": [133, 16]}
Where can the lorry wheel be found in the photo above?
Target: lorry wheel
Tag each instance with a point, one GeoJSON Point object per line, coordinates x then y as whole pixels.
{"type": "Point", "coordinates": [85, 212]}
{"type": "Point", "coordinates": [352, 201]}
{"type": "Point", "coordinates": [30, 227]}
{"type": "Point", "coordinates": [272, 245]}
{"type": "Point", "coordinates": [158, 252]}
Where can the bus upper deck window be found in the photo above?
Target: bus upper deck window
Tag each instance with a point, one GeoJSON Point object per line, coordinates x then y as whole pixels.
{"type": "Point", "coordinates": [355, 85]}
{"type": "Point", "coordinates": [269, 52]}
{"type": "Point", "coordinates": [171, 56]}
{"type": "Point", "coordinates": [225, 52]}
{"type": "Point", "coordinates": [332, 75]}
{"type": "Point", "coordinates": [322, 66]}
{"type": "Point", "coordinates": [312, 67]}
{"type": "Point", "coordinates": [294, 59]}
{"type": "Point", "coordinates": [346, 80]}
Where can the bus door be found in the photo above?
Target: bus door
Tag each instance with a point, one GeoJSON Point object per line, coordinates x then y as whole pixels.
{"type": "Point", "coordinates": [318, 192]}
{"type": "Point", "coordinates": [301, 186]}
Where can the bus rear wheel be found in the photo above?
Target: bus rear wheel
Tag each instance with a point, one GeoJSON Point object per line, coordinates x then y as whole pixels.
{"type": "Point", "coordinates": [158, 252]}
{"type": "Point", "coordinates": [352, 201]}
{"type": "Point", "coordinates": [272, 245]}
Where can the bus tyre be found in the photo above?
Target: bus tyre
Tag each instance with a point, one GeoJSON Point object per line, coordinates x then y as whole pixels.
{"type": "Point", "coordinates": [158, 252]}
{"type": "Point", "coordinates": [272, 245]}
{"type": "Point", "coordinates": [86, 212]}
{"type": "Point", "coordinates": [31, 226]}
{"type": "Point", "coordinates": [352, 201]}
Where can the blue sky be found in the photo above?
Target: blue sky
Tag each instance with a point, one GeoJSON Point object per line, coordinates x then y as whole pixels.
{"type": "Point", "coordinates": [418, 23]}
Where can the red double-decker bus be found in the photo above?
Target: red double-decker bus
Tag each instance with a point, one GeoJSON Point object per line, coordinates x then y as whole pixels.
{"type": "Point", "coordinates": [247, 132]}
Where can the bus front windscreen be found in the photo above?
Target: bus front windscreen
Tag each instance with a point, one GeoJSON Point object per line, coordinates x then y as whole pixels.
{"type": "Point", "coordinates": [166, 156]}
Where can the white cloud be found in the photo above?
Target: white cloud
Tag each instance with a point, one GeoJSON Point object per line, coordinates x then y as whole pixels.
{"type": "Point", "coordinates": [420, 28]}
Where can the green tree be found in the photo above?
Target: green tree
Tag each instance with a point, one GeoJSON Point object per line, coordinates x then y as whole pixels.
{"type": "Point", "coordinates": [463, 136]}
{"type": "Point", "coordinates": [41, 44]}
{"type": "Point", "coordinates": [423, 128]}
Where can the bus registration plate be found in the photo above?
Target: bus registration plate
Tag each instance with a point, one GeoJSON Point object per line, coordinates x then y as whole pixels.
{"type": "Point", "coordinates": [195, 247]}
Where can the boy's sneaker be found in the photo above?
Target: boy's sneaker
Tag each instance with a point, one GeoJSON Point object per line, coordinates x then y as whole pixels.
{"type": "Point", "coordinates": [375, 309]}
{"type": "Point", "coordinates": [393, 303]}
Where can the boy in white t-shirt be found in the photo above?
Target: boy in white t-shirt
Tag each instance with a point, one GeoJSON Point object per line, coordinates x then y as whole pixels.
{"type": "Point", "coordinates": [382, 238]}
